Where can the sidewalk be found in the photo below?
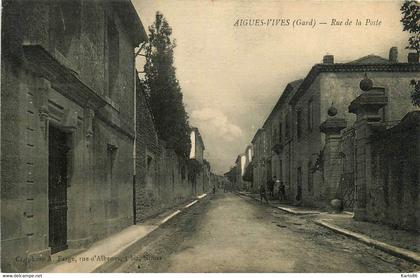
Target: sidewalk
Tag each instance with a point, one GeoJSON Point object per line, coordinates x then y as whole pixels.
{"type": "Point", "coordinates": [112, 249]}
{"type": "Point", "coordinates": [282, 205]}
{"type": "Point", "coordinates": [400, 243]}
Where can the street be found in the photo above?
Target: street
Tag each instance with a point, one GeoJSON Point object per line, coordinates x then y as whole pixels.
{"type": "Point", "coordinates": [228, 233]}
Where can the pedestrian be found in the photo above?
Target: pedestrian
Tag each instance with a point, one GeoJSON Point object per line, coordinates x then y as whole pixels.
{"type": "Point", "coordinates": [263, 193]}
{"type": "Point", "coordinates": [282, 191]}
{"type": "Point", "coordinates": [270, 186]}
{"type": "Point", "coordinates": [277, 186]}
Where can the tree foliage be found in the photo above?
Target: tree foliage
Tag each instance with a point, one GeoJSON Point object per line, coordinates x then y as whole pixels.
{"type": "Point", "coordinates": [410, 11]}
{"type": "Point", "coordinates": [163, 90]}
{"type": "Point", "coordinates": [415, 94]}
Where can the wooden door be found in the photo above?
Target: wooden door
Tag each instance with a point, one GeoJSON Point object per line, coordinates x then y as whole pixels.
{"type": "Point", "coordinates": [57, 189]}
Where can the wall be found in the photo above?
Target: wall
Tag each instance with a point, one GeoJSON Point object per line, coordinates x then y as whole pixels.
{"type": "Point", "coordinates": [340, 89]}
{"type": "Point", "coordinates": [161, 176]}
{"type": "Point", "coordinates": [394, 195]}
{"type": "Point", "coordinates": [32, 100]}
{"type": "Point", "coordinates": [308, 146]}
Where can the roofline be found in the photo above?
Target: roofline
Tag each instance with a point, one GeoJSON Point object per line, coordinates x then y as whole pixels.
{"type": "Point", "coordinates": [280, 101]}
{"type": "Point", "coordinates": [346, 67]}
{"type": "Point", "coordinates": [198, 134]}
{"type": "Point", "coordinates": [256, 134]}
{"type": "Point", "coordinates": [131, 19]}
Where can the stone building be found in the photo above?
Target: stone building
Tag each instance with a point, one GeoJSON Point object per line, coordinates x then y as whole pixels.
{"type": "Point", "coordinates": [278, 148]}
{"type": "Point", "coordinates": [338, 84]}
{"type": "Point", "coordinates": [249, 172]}
{"type": "Point", "coordinates": [67, 125]}
{"type": "Point", "coordinates": [259, 168]}
{"type": "Point", "coordinates": [291, 145]}
{"type": "Point", "coordinates": [197, 145]}
{"type": "Point", "coordinates": [240, 165]}
{"type": "Point", "coordinates": [386, 160]}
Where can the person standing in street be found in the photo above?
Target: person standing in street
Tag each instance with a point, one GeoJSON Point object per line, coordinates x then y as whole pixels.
{"type": "Point", "coordinates": [282, 191]}
{"type": "Point", "coordinates": [263, 193]}
{"type": "Point", "coordinates": [277, 186]}
{"type": "Point", "coordinates": [270, 186]}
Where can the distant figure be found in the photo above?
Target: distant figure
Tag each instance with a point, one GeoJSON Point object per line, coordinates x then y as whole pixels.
{"type": "Point", "coordinates": [270, 186]}
{"type": "Point", "coordinates": [282, 191]}
{"type": "Point", "coordinates": [276, 186]}
{"type": "Point", "coordinates": [214, 189]}
{"type": "Point", "coordinates": [263, 193]}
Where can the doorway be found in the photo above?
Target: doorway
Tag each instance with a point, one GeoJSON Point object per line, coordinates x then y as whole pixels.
{"type": "Point", "coordinates": [57, 189]}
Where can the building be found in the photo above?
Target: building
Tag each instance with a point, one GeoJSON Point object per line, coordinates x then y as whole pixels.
{"type": "Point", "coordinates": [67, 125]}
{"type": "Point", "coordinates": [291, 143]}
{"type": "Point", "coordinates": [200, 175]}
{"type": "Point", "coordinates": [248, 174]}
{"type": "Point", "coordinates": [258, 161]}
{"type": "Point", "coordinates": [278, 148]}
{"type": "Point", "coordinates": [197, 145]}
{"type": "Point", "coordinates": [337, 84]}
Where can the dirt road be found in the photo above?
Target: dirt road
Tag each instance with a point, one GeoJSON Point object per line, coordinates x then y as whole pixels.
{"type": "Point", "coordinates": [228, 233]}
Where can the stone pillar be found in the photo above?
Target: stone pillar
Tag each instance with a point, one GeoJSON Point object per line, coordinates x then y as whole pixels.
{"type": "Point", "coordinates": [83, 237]}
{"type": "Point", "coordinates": [366, 107]}
{"type": "Point", "coordinates": [81, 173]}
{"type": "Point", "coordinates": [36, 201]}
{"type": "Point", "coordinates": [332, 167]}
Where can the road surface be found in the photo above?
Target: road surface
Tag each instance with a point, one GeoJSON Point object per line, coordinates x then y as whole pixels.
{"type": "Point", "coordinates": [229, 233]}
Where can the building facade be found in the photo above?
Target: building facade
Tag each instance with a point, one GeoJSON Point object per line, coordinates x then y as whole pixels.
{"type": "Point", "coordinates": [337, 84]}
{"type": "Point", "coordinates": [67, 125]}
{"type": "Point", "coordinates": [197, 145]}
{"type": "Point", "coordinates": [259, 166]}
{"type": "Point", "coordinates": [291, 143]}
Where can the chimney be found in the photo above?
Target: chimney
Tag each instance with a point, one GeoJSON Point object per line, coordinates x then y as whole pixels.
{"type": "Point", "coordinates": [413, 57]}
{"type": "Point", "coordinates": [328, 59]}
{"type": "Point", "coordinates": [393, 54]}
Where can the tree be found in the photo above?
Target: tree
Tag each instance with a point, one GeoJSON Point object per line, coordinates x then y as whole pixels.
{"type": "Point", "coordinates": [163, 89]}
{"type": "Point", "coordinates": [410, 11]}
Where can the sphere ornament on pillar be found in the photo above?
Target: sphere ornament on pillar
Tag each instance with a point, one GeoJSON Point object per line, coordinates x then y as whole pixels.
{"type": "Point", "coordinates": [332, 111]}
{"type": "Point", "coordinates": [337, 205]}
{"type": "Point", "coordinates": [333, 125]}
{"type": "Point", "coordinates": [366, 84]}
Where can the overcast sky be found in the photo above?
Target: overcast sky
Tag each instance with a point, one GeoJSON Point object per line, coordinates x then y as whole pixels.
{"type": "Point", "coordinates": [232, 76]}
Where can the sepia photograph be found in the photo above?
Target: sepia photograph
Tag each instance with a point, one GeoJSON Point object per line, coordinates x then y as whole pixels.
{"type": "Point", "coordinates": [274, 137]}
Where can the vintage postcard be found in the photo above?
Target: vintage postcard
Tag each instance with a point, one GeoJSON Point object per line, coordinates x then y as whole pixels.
{"type": "Point", "coordinates": [210, 136]}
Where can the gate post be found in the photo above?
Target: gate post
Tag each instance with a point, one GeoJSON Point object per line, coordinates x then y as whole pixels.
{"type": "Point", "coordinates": [332, 127]}
{"type": "Point", "coordinates": [366, 107]}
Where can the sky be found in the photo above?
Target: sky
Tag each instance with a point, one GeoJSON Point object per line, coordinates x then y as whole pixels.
{"type": "Point", "coordinates": [232, 75]}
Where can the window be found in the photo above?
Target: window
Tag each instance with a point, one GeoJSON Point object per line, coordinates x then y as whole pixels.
{"type": "Point", "coordinates": [274, 135]}
{"type": "Point", "coordinates": [113, 55]}
{"type": "Point", "coordinates": [299, 124]}
{"type": "Point", "coordinates": [281, 170]}
{"type": "Point", "coordinates": [310, 115]}
{"type": "Point", "coordinates": [280, 132]}
{"type": "Point", "coordinates": [287, 126]}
